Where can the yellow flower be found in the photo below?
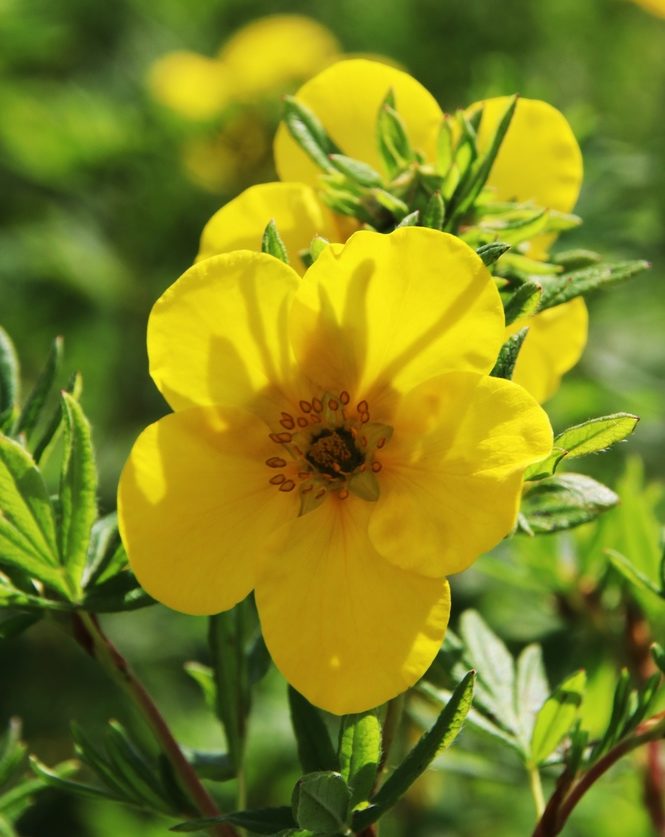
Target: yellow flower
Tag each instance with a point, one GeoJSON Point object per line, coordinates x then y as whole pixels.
{"type": "Point", "coordinates": [656, 7]}
{"type": "Point", "coordinates": [337, 446]}
{"type": "Point", "coordinates": [539, 161]}
{"type": "Point", "coordinates": [192, 85]}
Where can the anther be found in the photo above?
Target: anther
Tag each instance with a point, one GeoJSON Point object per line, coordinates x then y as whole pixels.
{"type": "Point", "coordinates": [344, 397]}
{"type": "Point", "coordinates": [305, 406]}
{"type": "Point", "coordinates": [364, 418]}
{"type": "Point", "coordinates": [343, 494]}
{"type": "Point", "coordinates": [277, 479]}
{"type": "Point", "coordinates": [289, 485]}
{"type": "Point", "coordinates": [275, 462]}
{"type": "Point", "coordinates": [287, 423]}
{"type": "Point", "coordinates": [381, 442]}
{"type": "Point", "coordinates": [314, 419]}
{"type": "Point", "coordinates": [319, 494]}
{"type": "Point", "coordinates": [302, 421]}
{"type": "Point", "coordinates": [333, 403]}
{"type": "Point", "coordinates": [363, 407]}
{"type": "Point", "coordinates": [306, 488]}
{"type": "Point", "coordinates": [317, 405]}
{"type": "Point", "coordinates": [363, 441]}
{"type": "Point", "coordinates": [376, 466]}
{"type": "Point", "coordinates": [281, 437]}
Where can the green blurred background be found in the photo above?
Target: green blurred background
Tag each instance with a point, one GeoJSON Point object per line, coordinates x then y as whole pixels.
{"type": "Point", "coordinates": [99, 215]}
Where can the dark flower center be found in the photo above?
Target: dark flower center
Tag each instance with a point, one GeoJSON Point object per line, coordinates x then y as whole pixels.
{"type": "Point", "coordinates": [334, 452]}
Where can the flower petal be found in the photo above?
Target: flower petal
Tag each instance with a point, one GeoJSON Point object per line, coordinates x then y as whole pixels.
{"type": "Point", "coordinates": [394, 310]}
{"type": "Point", "coordinates": [452, 472]}
{"type": "Point", "coordinates": [239, 224]}
{"type": "Point", "coordinates": [554, 344]}
{"type": "Point", "coordinates": [192, 85]}
{"type": "Point", "coordinates": [272, 51]}
{"type": "Point", "coordinates": [346, 628]}
{"type": "Point", "coordinates": [539, 159]}
{"type": "Point", "coordinates": [346, 98]}
{"type": "Point", "coordinates": [218, 334]}
{"type": "Point", "coordinates": [195, 507]}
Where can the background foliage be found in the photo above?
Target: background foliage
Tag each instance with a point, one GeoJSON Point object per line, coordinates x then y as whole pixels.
{"type": "Point", "coordinates": [99, 216]}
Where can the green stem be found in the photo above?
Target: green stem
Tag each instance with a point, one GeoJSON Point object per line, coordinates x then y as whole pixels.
{"type": "Point", "coordinates": [95, 642]}
{"type": "Point", "coordinates": [536, 789]}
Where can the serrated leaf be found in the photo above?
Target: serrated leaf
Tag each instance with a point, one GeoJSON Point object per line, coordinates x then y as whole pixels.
{"type": "Point", "coordinates": [258, 821]}
{"type": "Point", "coordinates": [272, 244]}
{"type": "Point", "coordinates": [315, 748]}
{"type": "Point", "coordinates": [487, 653]}
{"type": "Point", "coordinates": [106, 556]}
{"type": "Point", "coordinates": [492, 252]}
{"type": "Point", "coordinates": [557, 716]}
{"type": "Point", "coordinates": [27, 524]}
{"type": "Point", "coordinates": [434, 742]}
{"type": "Point", "coordinates": [308, 131]}
{"type": "Point", "coordinates": [522, 229]}
{"type": "Point", "coordinates": [360, 753]}
{"type": "Point", "coordinates": [546, 467]}
{"type": "Point", "coordinates": [78, 490]}
{"type": "Point", "coordinates": [321, 802]}
{"type": "Point", "coordinates": [531, 689]}
{"type": "Point", "coordinates": [508, 354]}
{"type": "Point", "coordinates": [135, 771]}
{"type": "Point", "coordinates": [596, 434]}
{"type": "Point", "coordinates": [53, 427]}
{"type": "Point", "coordinates": [558, 503]}
{"type": "Point", "coordinates": [36, 400]}
{"type": "Point", "coordinates": [524, 302]}
{"type": "Point", "coordinates": [581, 282]}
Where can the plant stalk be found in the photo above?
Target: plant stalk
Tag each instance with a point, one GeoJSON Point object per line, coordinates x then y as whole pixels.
{"type": "Point", "coordinates": [94, 641]}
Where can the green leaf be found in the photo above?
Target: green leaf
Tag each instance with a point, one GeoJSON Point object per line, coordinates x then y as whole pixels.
{"type": "Point", "coordinates": [106, 555]}
{"type": "Point", "coordinates": [531, 690]}
{"type": "Point", "coordinates": [434, 742]}
{"type": "Point", "coordinates": [360, 753]}
{"type": "Point", "coordinates": [272, 244]}
{"type": "Point", "coordinates": [321, 802]}
{"type": "Point", "coordinates": [14, 624]}
{"type": "Point", "coordinates": [581, 282]}
{"type": "Point", "coordinates": [27, 523]}
{"type": "Point", "coordinates": [78, 490]}
{"type": "Point", "coordinates": [410, 220]}
{"type": "Point", "coordinates": [203, 675]}
{"type": "Point", "coordinates": [596, 434]}
{"type": "Point", "coordinates": [52, 430]}
{"type": "Point", "coordinates": [434, 212]}
{"type": "Point", "coordinates": [495, 666]}
{"type": "Point", "coordinates": [546, 467]}
{"type": "Point", "coordinates": [557, 716]}
{"type": "Point", "coordinates": [658, 654]}
{"type": "Point", "coordinates": [483, 165]}
{"type": "Point", "coordinates": [393, 142]}
{"type": "Point", "coordinates": [315, 748]}
{"type": "Point", "coordinates": [492, 252]}
{"type": "Point", "coordinates": [36, 400]}
{"type": "Point", "coordinates": [444, 147]}
{"type": "Point", "coordinates": [524, 302]}
{"type": "Point", "coordinates": [12, 751]}
{"type": "Point", "coordinates": [54, 780]}
{"type": "Point", "coordinates": [558, 503]}
{"type": "Point", "coordinates": [633, 574]}
{"type": "Point", "coordinates": [119, 593]}
{"type": "Point", "coordinates": [259, 821]}
{"type": "Point", "coordinates": [9, 380]}
{"type": "Point", "coordinates": [226, 637]}
{"type": "Point", "coordinates": [217, 767]}
{"type": "Point", "coordinates": [308, 131]}
{"type": "Point", "coordinates": [571, 260]}
{"type": "Point", "coordinates": [356, 171]}
{"type": "Point", "coordinates": [508, 354]}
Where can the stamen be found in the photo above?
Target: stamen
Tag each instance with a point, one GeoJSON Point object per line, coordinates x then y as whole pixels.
{"type": "Point", "coordinates": [319, 494]}
{"type": "Point", "coordinates": [289, 485]}
{"type": "Point", "coordinates": [306, 488]}
{"type": "Point", "coordinates": [363, 407]}
{"type": "Point", "coordinates": [305, 406]}
{"type": "Point", "coordinates": [280, 438]}
{"type": "Point", "coordinates": [275, 462]}
{"type": "Point", "coordinates": [287, 421]}
{"type": "Point", "coordinates": [376, 466]}
{"type": "Point", "coordinates": [302, 421]}
{"type": "Point", "coordinates": [333, 403]}
{"type": "Point", "coordinates": [317, 404]}
{"type": "Point", "coordinates": [343, 494]}
{"type": "Point", "coordinates": [277, 479]}
{"type": "Point", "coordinates": [381, 442]}
{"type": "Point", "coordinates": [364, 418]}
{"type": "Point", "coordinates": [344, 397]}
{"type": "Point", "coordinates": [304, 475]}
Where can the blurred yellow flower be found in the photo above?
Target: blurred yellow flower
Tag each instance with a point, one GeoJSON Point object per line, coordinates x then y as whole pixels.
{"type": "Point", "coordinates": [539, 161]}
{"type": "Point", "coordinates": [656, 7]}
{"type": "Point", "coordinates": [337, 446]}
{"type": "Point", "coordinates": [268, 55]}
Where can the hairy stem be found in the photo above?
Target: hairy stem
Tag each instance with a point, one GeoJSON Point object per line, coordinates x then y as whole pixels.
{"type": "Point", "coordinates": [94, 641]}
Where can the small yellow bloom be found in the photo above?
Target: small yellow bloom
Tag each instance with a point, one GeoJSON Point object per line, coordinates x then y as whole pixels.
{"type": "Point", "coordinates": [337, 446]}
{"type": "Point", "coordinates": [192, 85]}
{"type": "Point", "coordinates": [539, 161]}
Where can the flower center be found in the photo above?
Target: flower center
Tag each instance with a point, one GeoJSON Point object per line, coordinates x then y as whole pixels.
{"type": "Point", "coordinates": [328, 446]}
